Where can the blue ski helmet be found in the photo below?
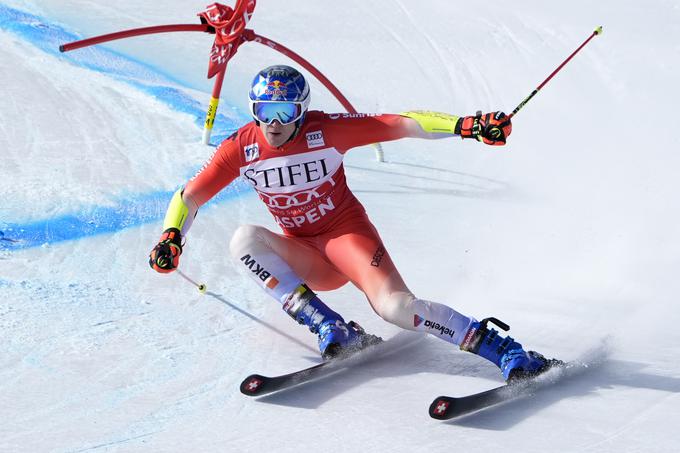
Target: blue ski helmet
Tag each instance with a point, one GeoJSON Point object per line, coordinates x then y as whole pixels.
{"type": "Point", "coordinates": [279, 93]}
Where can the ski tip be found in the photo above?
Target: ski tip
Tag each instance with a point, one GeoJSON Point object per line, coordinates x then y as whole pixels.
{"type": "Point", "coordinates": [252, 385]}
{"type": "Point", "coordinates": [440, 407]}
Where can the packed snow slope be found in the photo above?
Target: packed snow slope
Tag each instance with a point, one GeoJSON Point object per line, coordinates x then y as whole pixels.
{"type": "Point", "coordinates": [569, 233]}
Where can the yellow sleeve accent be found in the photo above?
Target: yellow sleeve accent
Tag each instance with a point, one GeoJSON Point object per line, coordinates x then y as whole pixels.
{"type": "Point", "coordinates": [177, 213]}
{"type": "Point", "coordinates": [434, 122]}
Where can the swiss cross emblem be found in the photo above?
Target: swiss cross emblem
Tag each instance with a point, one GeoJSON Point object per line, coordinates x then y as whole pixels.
{"type": "Point", "coordinates": [441, 407]}
{"type": "Point", "coordinates": [253, 384]}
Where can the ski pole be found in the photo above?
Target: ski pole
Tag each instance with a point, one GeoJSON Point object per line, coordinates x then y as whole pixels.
{"type": "Point", "coordinates": [202, 288]}
{"type": "Point", "coordinates": [598, 31]}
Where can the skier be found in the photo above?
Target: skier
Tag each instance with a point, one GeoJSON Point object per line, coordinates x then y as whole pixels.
{"type": "Point", "coordinates": [293, 159]}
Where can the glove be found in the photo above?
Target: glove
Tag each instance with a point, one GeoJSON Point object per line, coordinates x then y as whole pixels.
{"type": "Point", "coordinates": [490, 128]}
{"type": "Point", "coordinates": [164, 258]}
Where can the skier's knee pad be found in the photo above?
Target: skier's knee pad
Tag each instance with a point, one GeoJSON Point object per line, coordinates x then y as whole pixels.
{"type": "Point", "coordinates": [395, 308]}
{"type": "Point", "coordinates": [250, 246]}
{"type": "Point", "coordinates": [247, 239]}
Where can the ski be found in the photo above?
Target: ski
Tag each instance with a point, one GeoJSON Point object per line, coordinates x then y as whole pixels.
{"type": "Point", "coordinates": [258, 385]}
{"type": "Point", "coordinates": [448, 407]}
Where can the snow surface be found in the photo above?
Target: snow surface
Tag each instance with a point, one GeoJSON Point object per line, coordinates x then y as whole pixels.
{"type": "Point", "coordinates": [569, 233]}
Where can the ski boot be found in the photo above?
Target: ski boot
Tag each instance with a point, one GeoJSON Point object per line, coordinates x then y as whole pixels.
{"type": "Point", "coordinates": [515, 363]}
{"type": "Point", "coordinates": [336, 338]}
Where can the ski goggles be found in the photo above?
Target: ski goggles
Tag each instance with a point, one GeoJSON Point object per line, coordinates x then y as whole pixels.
{"type": "Point", "coordinates": [283, 112]}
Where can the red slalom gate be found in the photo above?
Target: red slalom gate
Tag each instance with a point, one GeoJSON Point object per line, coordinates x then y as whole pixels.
{"type": "Point", "coordinates": [229, 27]}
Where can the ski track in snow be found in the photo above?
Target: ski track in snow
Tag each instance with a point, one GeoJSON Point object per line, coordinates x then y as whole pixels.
{"type": "Point", "coordinates": [568, 233]}
{"type": "Point", "coordinates": [133, 209]}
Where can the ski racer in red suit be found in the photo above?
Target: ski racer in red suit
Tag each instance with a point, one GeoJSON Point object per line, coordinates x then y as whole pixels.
{"type": "Point", "coordinates": [293, 159]}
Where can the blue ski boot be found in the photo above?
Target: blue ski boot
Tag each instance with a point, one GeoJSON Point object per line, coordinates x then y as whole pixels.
{"type": "Point", "coordinates": [514, 362]}
{"type": "Point", "coordinates": [336, 338]}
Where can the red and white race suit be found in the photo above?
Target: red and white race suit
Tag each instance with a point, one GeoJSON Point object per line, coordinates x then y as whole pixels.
{"type": "Point", "coordinates": [302, 183]}
{"type": "Point", "coordinates": [328, 240]}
